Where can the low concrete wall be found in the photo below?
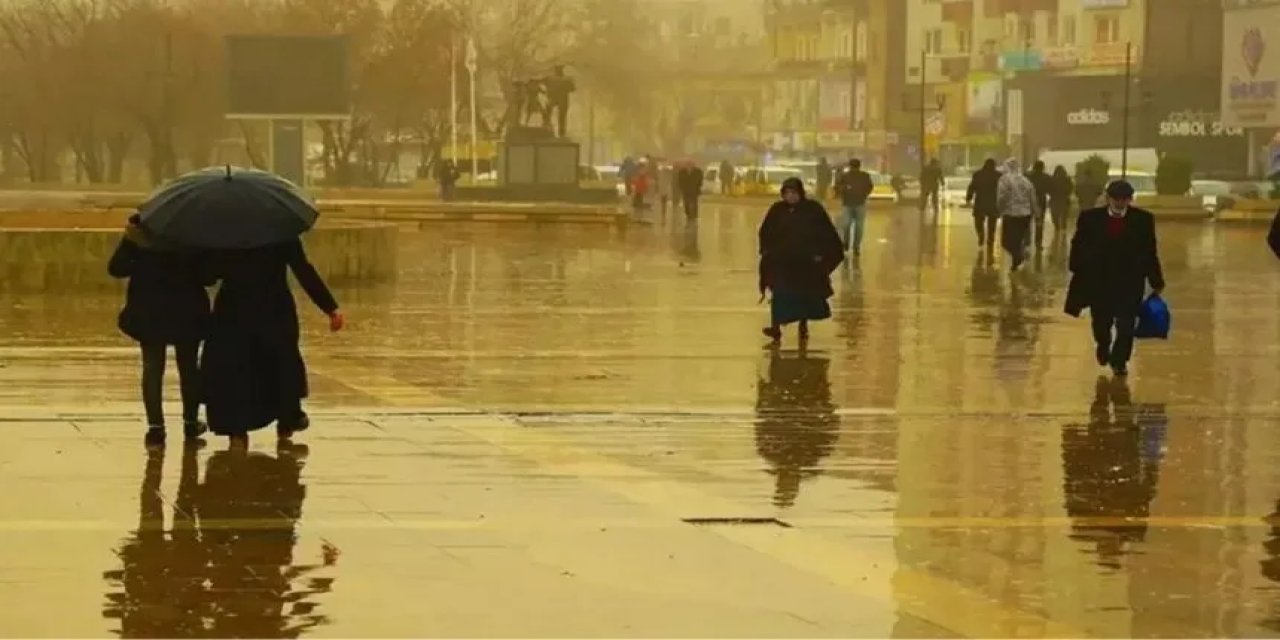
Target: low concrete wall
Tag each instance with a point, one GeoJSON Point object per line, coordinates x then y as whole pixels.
{"type": "Point", "coordinates": [33, 259]}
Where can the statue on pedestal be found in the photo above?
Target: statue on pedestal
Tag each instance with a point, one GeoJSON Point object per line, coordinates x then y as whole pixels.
{"type": "Point", "coordinates": [559, 87]}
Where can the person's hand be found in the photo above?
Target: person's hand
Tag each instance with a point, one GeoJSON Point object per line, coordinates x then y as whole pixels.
{"type": "Point", "coordinates": [337, 321]}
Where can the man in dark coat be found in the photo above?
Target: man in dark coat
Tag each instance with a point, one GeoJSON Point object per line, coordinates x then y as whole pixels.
{"type": "Point", "coordinates": [931, 180]}
{"type": "Point", "coordinates": [727, 177]}
{"type": "Point", "coordinates": [1273, 237]}
{"type": "Point", "coordinates": [854, 188]}
{"type": "Point", "coordinates": [1044, 185]}
{"type": "Point", "coordinates": [689, 182]}
{"type": "Point", "coordinates": [983, 188]}
{"type": "Point", "coordinates": [1114, 255]}
{"type": "Point", "coordinates": [165, 304]}
{"type": "Point", "coordinates": [823, 179]}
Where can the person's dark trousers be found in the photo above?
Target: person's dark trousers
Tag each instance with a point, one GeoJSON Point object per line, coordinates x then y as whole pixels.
{"type": "Point", "coordinates": [925, 198]}
{"type": "Point", "coordinates": [1014, 238]}
{"type": "Point", "coordinates": [153, 364]}
{"type": "Point", "coordinates": [1115, 348]}
{"type": "Point", "coordinates": [1059, 216]}
{"type": "Point", "coordinates": [986, 227]}
{"type": "Point", "coordinates": [691, 206]}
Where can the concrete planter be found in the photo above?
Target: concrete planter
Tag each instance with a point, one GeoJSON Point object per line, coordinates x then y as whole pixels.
{"type": "Point", "coordinates": [1176, 207]}
{"type": "Point", "coordinates": [1250, 211]}
{"type": "Point", "coordinates": [35, 258]}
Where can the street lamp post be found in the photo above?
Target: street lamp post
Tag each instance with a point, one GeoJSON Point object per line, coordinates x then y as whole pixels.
{"type": "Point", "coordinates": [1124, 136]}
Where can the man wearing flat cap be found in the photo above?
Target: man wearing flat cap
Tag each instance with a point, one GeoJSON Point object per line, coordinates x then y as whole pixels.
{"type": "Point", "coordinates": [1114, 256]}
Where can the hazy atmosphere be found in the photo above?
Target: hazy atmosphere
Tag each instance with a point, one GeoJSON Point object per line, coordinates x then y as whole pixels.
{"type": "Point", "coordinates": [639, 318]}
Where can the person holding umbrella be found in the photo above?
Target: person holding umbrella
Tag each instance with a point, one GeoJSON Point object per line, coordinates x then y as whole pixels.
{"type": "Point", "coordinates": [252, 365]}
{"type": "Point", "coordinates": [166, 304]}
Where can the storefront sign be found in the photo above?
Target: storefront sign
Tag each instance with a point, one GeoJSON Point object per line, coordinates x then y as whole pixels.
{"type": "Point", "coordinates": [1061, 58]}
{"type": "Point", "coordinates": [1196, 124]}
{"type": "Point", "coordinates": [1021, 60]}
{"type": "Point", "coordinates": [1251, 67]}
{"type": "Point", "coordinates": [1089, 117]}
{"type": "Point", "coordinates": [1109, 55]}
{"type": "Point", "coordinates": [1103, 4]}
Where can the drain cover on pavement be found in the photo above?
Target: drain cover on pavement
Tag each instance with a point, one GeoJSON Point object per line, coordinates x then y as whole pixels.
{"type": "Point", "coordinates": [774, 522]}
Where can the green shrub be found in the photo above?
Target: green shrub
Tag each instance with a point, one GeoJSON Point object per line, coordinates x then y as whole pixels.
{"type": "Point", "coordinates": [1094, 170]}
{"type": "Point", "coordinates": [1173, 176]}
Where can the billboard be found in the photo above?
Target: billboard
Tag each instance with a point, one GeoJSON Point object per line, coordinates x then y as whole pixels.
{"type": "Point", "coordinates": [287, 76]}
{"type": "Point", "coordinates": [1251, 67]}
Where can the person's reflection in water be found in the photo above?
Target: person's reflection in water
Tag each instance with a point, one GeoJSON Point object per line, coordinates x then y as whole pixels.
{"type": "Point", "coordinates": [227, 568]}
{"type": "Point", "coordinates": [690, 251]}
{"type": "Point", "coordinates": [984, 294]}
{"type": "Point", "coordinates": [1111, 469]}
{"type": "Point", "coordinates": [796, 422]}
{"type": "Point", "coordinates": [1270, 563]}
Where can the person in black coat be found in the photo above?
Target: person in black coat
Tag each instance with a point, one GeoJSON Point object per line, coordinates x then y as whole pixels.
{"type": "Point", "coordinates": [1273, 236]}
{"type": "Point", "coordinates": [165, 304]}
{"type": "Point", "coordinates": [252, 364]}
{"type": "Point", "coordinates": [1061, 189]}
{"type": "Point", "coordinates": [981, 195]}
{"type": "Point", "coordinates": [1114, 255]}
{"type": "Point", "coordinates": [689, 180]}
{"type": "Point", "coordinates": [1044, 186]}
{"type": "Point", "coordinates": [799, 248]}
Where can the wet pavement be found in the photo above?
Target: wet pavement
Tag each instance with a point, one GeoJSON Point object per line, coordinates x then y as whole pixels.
{"type": "Point", "coordinates": [574, 431]}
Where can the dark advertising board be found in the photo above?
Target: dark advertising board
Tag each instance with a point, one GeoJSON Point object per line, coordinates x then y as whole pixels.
{"type": "Point", "coordinates": [298, 76]}
{"type": "Point", "coordinates": [1175, 117]}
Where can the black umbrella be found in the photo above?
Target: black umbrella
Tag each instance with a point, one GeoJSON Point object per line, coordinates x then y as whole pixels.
{"type": "Point", "coordinates": [228, 208]}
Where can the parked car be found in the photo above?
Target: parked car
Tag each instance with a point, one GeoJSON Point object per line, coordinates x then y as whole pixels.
{"type": "Point", "coordinates": [766, 180]}
{"type": "Point", "coordinates": [954, 190]}
{"type": "Point", "coordinates": [1214, 195]}
{"type": "Point", "coordinates": [882, 190]}
{"type": "Point", "coordinates": [610, 173]}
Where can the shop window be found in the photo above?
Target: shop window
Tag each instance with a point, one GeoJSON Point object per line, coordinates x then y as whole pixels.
{"type": "Point", "coordinates": [1106, 29]}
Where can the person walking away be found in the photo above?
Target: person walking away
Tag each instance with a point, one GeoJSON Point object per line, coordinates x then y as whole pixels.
{"type": "Point", "coordinates": [823, 179]}
{"type": "Point", "coordinates": [640, 184]}
{"type": "Point", "coordinates": [854, 188]}
{"type": "Point", "coordinates": [166, 304]}
{"type": "Point", "coordinates": [1114, 256]}
{"type": "Point", "coordinates": [690, 179]}
{"type": "Point", "coordinates": [1060, 190]}
{"type": "Point", "coordinates": [627, 173]}
{"type": "Point", "coordinates": [981, 195]}
{"type": "Point", "coordinates": [1043, 185]}
{"type": "Point", "coordinates": [899, 186]}
{"type": "Point", "coordinates": [666, 187]}
{"type": "Point", "coordinates": [726, 178]}
{"type": "Point", "coordinates": [799, 248]}
{"type": "Point", "coordinates": [931, 184]}
{"type": "Point", "coordinates": [252, 364]}
{"type": "Point", "coordinates": [1016, 200]}
{"type": "Point", "coordinates": [447, 175]}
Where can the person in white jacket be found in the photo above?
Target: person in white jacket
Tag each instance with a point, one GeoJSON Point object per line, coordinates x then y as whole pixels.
{"type": "Point", "coordinates": [1017, 202]}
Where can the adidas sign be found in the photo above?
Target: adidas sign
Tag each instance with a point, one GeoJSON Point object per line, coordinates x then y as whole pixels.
{"type": "Point", "coordinates": [1089, 117]}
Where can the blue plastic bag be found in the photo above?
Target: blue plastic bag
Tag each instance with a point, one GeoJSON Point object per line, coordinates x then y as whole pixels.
{"type": "Point", "coordinates": [1154, 319]}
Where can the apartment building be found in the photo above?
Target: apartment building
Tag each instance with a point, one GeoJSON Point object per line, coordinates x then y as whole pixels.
{"type": "Point", "coordinates": [833, 88]}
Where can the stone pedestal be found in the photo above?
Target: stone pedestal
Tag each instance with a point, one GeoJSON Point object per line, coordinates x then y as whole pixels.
{"type": "Point", "coordinates": [532, 157]}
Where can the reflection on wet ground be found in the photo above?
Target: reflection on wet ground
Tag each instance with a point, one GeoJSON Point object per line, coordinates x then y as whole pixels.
{"type": "Point", "coordinates": [513, 439]}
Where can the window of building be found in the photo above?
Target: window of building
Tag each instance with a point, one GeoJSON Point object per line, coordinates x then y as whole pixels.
{"type": "Point", "coordinates": [964, 40]}
{"type": "Point", "coordinates": [1051, 28]}
{"type": "Point", "coordinates": [1068, 29]}
{"type": "Point", "coordinates": [1026, 30]}
{"type": "Point", "coordinates": [933, 41]}
{"type": "Point", "coordinates": [860, 42]}
{"type": "Point", "coordinates": [1106, 29]}
{"type": "Point", "coordinates": [846, 45]}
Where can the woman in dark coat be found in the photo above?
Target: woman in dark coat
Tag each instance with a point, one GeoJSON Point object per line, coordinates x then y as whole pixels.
{"type": "Point", "coordinates": [1060, 189]}
{"type": "Point", "coordinates": [799, 248]}
{"type": "Point", "coordinates": [165, 304]}
{"type": "Point", "coordinates": [252, 365]}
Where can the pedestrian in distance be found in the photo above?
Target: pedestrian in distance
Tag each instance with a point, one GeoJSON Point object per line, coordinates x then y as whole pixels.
{"type": "Point", "coordinates": [727, 178]}
{"type": "Point", "coordinates": [854, 188]}
{"type": "Point", "coordinates": [981, 195]}
{"type": "Point", "coordinates": [1044, 185]}
{"type": "Point", "coordinates": [1017, 202]}
{"type": "Point", "coordinates": [799, 248]}
{"type": "Point", "coordinates": [166, 305]}
{"type": "Point", "coordinates": [667, 192]}
{"type": "Point", "coordinates": [931, 180]}
{"type": "Point", "coordinates": [823, 179]}
{"type": "Point", "coordinates": [690, 179]}
{"type": "Point", "coordinates": [1273, 236]}
{"type": "Point", "coordinates": [1060, 190]}
{"type": "Point", "coordinates": [447, 175]}
{"type": "Point", "coordinates": [1114, 257]}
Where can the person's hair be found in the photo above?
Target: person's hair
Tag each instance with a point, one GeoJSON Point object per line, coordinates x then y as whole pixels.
{"type": "Point", "coordinates": [793, 184]}
{"type": "Point", "coordinates": [855, 163]}
{"type": "Point", "coordinates": [1038, 166]}
{"type": "Point", "coordinates": [1059, 170]}
{"type": "Point", "coordinates": [989, 164]}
